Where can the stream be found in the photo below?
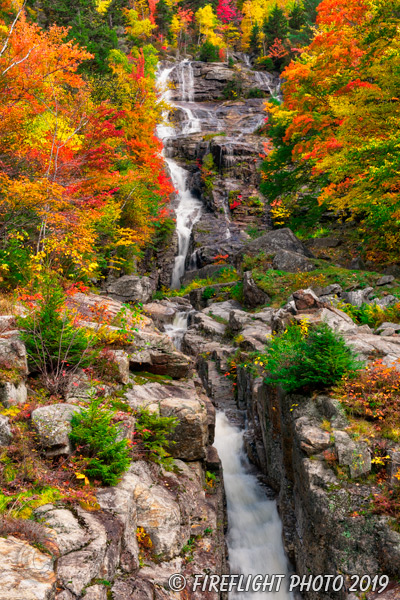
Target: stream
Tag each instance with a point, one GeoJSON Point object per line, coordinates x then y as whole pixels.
{"type": "Point", "coordinates": [254, 536]}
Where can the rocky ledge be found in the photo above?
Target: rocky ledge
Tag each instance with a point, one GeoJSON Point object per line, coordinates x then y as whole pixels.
{"type": "Point", "coordinates": [155, 522]}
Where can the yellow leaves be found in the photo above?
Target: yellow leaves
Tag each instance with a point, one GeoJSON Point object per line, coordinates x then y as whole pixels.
{"type": "Point", "coordinates": [141, 28]}
{"type": "Point", "coordinates": [208, 23]}
{"type": "Point", "coordinates": [82, 476]}
{"type": "Point", "coordinates": [102, 6]}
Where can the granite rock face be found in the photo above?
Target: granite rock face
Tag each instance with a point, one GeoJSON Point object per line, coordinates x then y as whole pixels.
{"type": "Point", "coordinates": [131, 288]}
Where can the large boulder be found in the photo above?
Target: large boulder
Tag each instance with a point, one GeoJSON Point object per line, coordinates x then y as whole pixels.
{"type": "Point", "coordinates": [53, 425]}
{"type": "Point", "coordinates": [253, 295]}
{"type": "Point", "coordinates": [191, 434]}
{"type": "Point", "coordinates": [291, 262]}
{"type": "Point", "coordinates": [131, 288]}
{"type": "Point", "coordinates": [161, 312]}
{"type": "Point", "coordinates": [13, 356]}
{"type": "Point", "coordinates": [272, 241]}
{"type": "Point", "coordinates": [13, 393]}
{"type": "Point", "coordinates": [76, 570]}
{"type": "Point", "coordinates": [26, 573]}
{"type": "Point", "coordinates": [158, 513]}
{"type": "Point", "coordinates": [155, 353]}
{"type": "Point", "coordinates": [208, 326]}
{"type": "Point", "coordinates": [5, 431]}
{"type": "Point", "coordinates": [358, 297]}
{"type": "Point", "coordinates": [68, 532]}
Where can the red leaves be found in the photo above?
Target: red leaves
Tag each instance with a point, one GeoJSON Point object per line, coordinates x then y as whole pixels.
{"type": "Point", "coordinates": [226, 12]}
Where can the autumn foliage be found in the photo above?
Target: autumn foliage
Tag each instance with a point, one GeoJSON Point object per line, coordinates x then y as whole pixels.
{"type": "Point", "coordinates": [340, 115]}
{"type": "Point", "coordinates": [81, 176]}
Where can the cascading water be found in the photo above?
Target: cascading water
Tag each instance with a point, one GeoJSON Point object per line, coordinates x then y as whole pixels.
{"type": "Point", "coordinates": [255, 530]}
{"type": "Point", "coordinates": [188, 209]}
{"type": "Point", "coordinates": [176, 330]}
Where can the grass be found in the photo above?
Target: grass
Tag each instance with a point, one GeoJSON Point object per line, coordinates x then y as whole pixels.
{"type": "Point", "coordinates": [279, 284]}
{"type": "Point", "coordinates": [226, 274]}
{"type": "Point", "coordinates": [210, 136]}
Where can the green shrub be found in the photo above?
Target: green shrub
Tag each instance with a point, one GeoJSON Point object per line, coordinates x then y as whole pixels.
{"type": "Point", "coordinates": [54, 343]}
{"type": "Point", "coordinates": [266, 63]}
{"type": "Point", "coordinates": [256, 93]}
{"type": "Point", "coordinates": [103, 456]}
{"type": "Point", "coordinates": [209, 52]}
{"type": "Point", "coordinates": [154, 432]}
{"type": "Point", "coordinates": [372, 314]}
{"type": "Point", "coordinates": [233, 88]}
{"type": "Point", "coordinates": [306, 356]}
{"type": "Point", "coordinates": [208, 293]}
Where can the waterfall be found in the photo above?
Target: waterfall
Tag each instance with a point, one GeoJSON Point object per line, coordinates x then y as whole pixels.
{"type": "Point", "coordinates": [255, 529]}
{"type": "Point", "coordinates": [176, 330]}
{"type": "Point", "coordinates": [268, 82]}
{"type": "Point", "coordinates": [188, 209]}
{"type": "Point", "coordinates": [186, 80]}
{"type": "Point", "coordinates": [187, 212]}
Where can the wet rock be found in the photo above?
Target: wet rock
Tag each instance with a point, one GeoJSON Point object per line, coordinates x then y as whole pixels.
{"type": "Point", "coordinates": [53, 424]}
{"type": "Point", "coordinates": [385, 280]}
{"type": "Point", "coordinates": [253, 295]}
{"type": "Point", "coordinates": [12, 394]}
{"type": "Point", "coordinates": [191, 433]}
{"type": "Point", "coordinates": [25, 573]}
{"type": "Point", "coordinates": [131, 288]}
{"type": "Point", "coordinates": [5, 431]}
{"type": "Point", "coordinates": [291, 262]}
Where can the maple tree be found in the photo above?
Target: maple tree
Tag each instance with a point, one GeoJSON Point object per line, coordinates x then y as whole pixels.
{"type": "Point", "coordinates": [83, 183]}
{"type": "Point", "coordinates": [340, 113]}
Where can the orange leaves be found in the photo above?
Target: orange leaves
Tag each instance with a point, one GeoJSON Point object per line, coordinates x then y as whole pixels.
{"type": "Point", "coordinates": [82, 176]}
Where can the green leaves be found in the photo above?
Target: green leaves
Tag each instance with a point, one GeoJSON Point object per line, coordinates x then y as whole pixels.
{"type": "Point", "coordinates": [103, 456]}
{"type": "Point", "coordinates": [313, 357]}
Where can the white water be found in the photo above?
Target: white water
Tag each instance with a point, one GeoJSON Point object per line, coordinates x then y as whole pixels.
{"type": "Point", "coordinates": [255, 529]}
{"type": "Point", "coordinates": [188, 210]}
{"type": "Point", "coordinates": [176, 330]}
{"type": "Point", "coordinates": [270, 83]}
